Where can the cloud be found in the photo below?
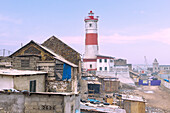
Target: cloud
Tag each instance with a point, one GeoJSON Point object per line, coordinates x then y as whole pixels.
{"type": "Point", "coordinates": [162, 36]}
{"type": "Point", "coordinates": [9, 19]}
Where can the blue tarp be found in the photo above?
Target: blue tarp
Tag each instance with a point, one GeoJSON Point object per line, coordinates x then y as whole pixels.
{"type": "Point", "coordinates": [155, 82]}
{"type": "Point", "coordinates": [144, 82]}
{"type": "Point", "coordinates": [93, 100]}
{"type": "Point", "coordinates": [66, 72]}
{"type": "Point", "coordinates": [166, 80]}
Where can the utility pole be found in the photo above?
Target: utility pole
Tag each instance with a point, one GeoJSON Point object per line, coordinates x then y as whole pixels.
{"type": "Point", "coordinates": [3, 52]}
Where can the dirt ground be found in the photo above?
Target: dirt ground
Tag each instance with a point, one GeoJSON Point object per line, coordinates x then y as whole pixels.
{"type": "Point", "coordinates": [156, 96]}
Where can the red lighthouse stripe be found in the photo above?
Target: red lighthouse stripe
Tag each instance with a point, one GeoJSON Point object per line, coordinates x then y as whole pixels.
{"type": "Point", "coordinates": [91, 39]}
{"type": "Point", "coordinates": [89, 60]}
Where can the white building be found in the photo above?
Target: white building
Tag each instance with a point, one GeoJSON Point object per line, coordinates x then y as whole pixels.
{"type": "Point", "coordinates": [33, 81]}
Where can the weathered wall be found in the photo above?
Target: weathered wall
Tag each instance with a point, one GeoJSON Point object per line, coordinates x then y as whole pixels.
{"type": "Point", "coordinates": [38, 103]}
{"type": "Point", "coordinates": [71, 104]}
{"type": "Point", "coordinates": [62, 49]}
{"type": "Point", "coordinates": [12, 103]}
{"type": "Point", "coordinates": [16, 62]}
{"type": "Point", "coordinates": [33, 48]}
{"type": "Point", "coordinates": [44, 104]}
{"type": "Point", "coordinates": [23, 82]}
{"type": "Point", "coordinates": [6, 82]}
{"type": "Point", "coordinates": [111, 86]}
{"type": "Point", "coordinates": [134, 106]}
{"type": "Point", "coordinates": [48, 66]}
{"type": "Point", "coordinates": [120, 62]}
{"type": "Point", "coordinates": [59, 86]}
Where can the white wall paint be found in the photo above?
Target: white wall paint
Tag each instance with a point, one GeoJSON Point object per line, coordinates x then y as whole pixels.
{"type": "Point", "coordinates": [6, 82]}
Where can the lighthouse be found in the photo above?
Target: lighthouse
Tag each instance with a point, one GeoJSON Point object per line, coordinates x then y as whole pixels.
{"type": "Point", "coordinates": [91, 42]}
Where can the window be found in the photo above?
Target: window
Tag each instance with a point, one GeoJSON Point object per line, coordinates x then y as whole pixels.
{"type": "Point", "coordinates": [111, 60]}
{"type": "Point", "coordinates": [90, 25]}
{"type": "Point", "coordinates": [33, 86]}
{"type": "Point", "coordinates": [105, 60]}
{"type": "Point", "coordinates": [90, 65]}
{"type": "Point", "coordinates": [100, 60]}
{"type": "Point", "coordinates": [100, 68]}
{"type": "Point", "coordinates": [105, 68]}
{"type": "Point", "coordinates": [25, 63]}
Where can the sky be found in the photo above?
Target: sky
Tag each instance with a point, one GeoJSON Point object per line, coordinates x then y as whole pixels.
{"type": "Point", "coordinates": [130, 29]}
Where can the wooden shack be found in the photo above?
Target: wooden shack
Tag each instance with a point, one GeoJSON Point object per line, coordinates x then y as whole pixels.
{"type": "Point", "coordinates": [109, 84]}
{"type": "Point", "coordinates": [134, 105]}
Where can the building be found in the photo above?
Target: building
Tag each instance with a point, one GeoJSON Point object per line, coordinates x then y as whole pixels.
{"type": "Point", "coordinates": [155, 66]}
{"type": "Point", "coordinates": [161, 69]}
{"type": "Point", "coordinates": [33, 81]}
{"type": "Point", "coordinates": [51, 70]}
{"type": "Point", "coordinates": [133, 104]}
{"type": "Point", "coordinates": [63, 75]}
{"type": "Point", "coordinates": [90, 86]}
{"type": "Point", "coordinates": [108, 84]}
{"type": "Point", "coordinates": [98, 64]}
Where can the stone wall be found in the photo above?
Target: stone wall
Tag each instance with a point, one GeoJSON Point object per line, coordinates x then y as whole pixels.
{"type": "Point", "coordinates": [23, 82]}
{"type": "Point", "coordinates": [60, 86]}
{"type": "Point", "coordinates": [38, 103]}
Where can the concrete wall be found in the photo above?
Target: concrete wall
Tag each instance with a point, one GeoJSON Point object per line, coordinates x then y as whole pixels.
{"type": "Point", "coordinates": [44, 104]}
{"type": "Point", "coordinates": [38, 103]}
{"type": "Point", "coordinates": [71, 104]}
{"type": "Point", "coordinates": [12, 103]}
{"type": "Point", "coordinates": [6, 82]}
{"type": "Point", "coordinates": [23, 82]}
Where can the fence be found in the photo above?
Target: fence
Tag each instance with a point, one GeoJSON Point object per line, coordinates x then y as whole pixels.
{"type": "Point", "coordinates": [150, 82]}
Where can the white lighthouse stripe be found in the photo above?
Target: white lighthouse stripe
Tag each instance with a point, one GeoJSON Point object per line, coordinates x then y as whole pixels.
{"type": "Point", "coordinates": [91, 51]}
{"type": "Point", "coordinates": [91, 30]}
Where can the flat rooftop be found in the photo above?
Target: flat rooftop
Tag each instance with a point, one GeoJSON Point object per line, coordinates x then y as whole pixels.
{"type": "Point", "coordinates": [19, 72]}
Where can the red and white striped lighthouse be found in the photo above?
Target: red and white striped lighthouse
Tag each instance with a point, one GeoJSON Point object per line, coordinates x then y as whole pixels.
{"type": "Point", "coordinates": [91, 42]}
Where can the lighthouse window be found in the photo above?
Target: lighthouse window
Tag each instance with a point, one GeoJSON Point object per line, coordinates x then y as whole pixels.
{"type": "Point", "coordinates": [90, 65]}
{"type": "Point", "coordinates": [100, 68]}
{"type": "Point", "coordinates": [90, 25]}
